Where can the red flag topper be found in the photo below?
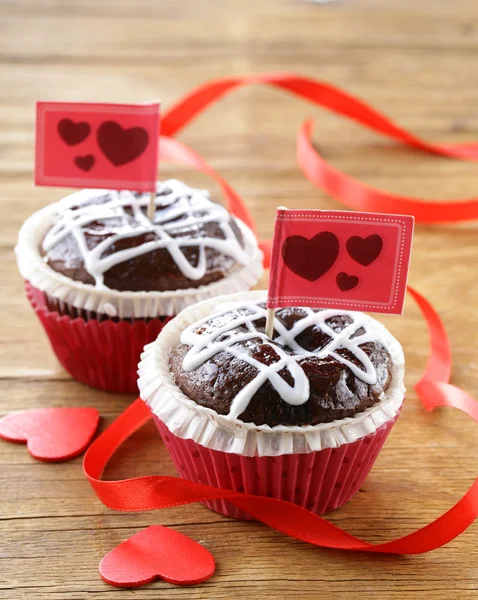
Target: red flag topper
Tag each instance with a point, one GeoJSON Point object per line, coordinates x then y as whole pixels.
{"type": "Point", "coordinates": [340, 259]}
{"type": "Point", "coordinates": [97, 145]}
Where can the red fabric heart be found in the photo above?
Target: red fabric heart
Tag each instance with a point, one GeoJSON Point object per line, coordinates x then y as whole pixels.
{"type": "Point", "coordinates": [157, 552]}
{"type": "Point", "coordinates": [121, 146]}
{"type": "Point", "coordinates": [310, 259]}
{"type": "Point", "coordinates": [73, 133]}
{"type": "Point", "coordinates": [364, 250]}
{"type": "Point", "coordinates": [51, 434]}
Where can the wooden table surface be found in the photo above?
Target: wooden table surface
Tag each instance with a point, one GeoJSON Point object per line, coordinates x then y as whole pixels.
{"type": "Point", "coordinates": [417, 61]}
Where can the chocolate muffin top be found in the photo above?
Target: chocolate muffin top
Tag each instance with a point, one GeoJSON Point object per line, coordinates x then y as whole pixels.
{"type": "Point", "coordinates": [321, 365]}
{"type": "Point", "coordinates": [105, 239]}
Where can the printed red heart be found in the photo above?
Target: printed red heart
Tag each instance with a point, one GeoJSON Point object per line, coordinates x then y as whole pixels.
{"type": "Point", "coordinates": [157, 552]}
{"type": "Point", "coordinates": [51, 434]}
{"type": "Point", "coordinates": [346, 282]}
{"type": "Point", "coordinates": [73, 133]}
{"type": "Point", "coordinates": [85, 163]}
{"type": "Point", "coordinates": [364, 250]}
{"type": "Point", "coordinates": [310, 259]}
{"type": "Point", "coordinates": [121, 146]}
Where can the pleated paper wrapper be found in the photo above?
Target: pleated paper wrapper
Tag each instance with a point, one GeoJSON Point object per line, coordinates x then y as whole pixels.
{"type": "Point", "coordinates": [102, 354]}
{"type": "Point", "coordinates": [318, 467]}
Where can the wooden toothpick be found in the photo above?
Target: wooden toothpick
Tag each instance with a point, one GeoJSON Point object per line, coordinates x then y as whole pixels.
{"type": "Point", "coordinates": [271, 311]}
{"type": "Point", "coordinates": [152, 206]}
{"type": "Point", "coordinates": [270, 322]}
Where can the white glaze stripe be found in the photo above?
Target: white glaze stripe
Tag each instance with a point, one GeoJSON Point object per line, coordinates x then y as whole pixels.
{"type": "Point", "coordinates": [182, 202]}
{"type": "Point", "coordinates": [205, 346]}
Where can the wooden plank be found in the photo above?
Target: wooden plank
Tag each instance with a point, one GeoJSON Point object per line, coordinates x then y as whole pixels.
{"type": "Point", "coordinates": [260, 27]}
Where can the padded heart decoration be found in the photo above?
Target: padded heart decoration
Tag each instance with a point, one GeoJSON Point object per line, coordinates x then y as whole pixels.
{"type": "Point", "coordinates": [346, 282]}
{"type": "Point", "coordinates": [364, 250]}
{"type": "Point", "coordinates": [157, 552]}
{"type": "Point", "coordinates": [310, 259]}
{"type": "Point", "coordinates": [121, 146]}
{"type": "Point", "coordinates": [73, 133]}
{"type": "Point", "coordinates": [85, 163]}
{"type": "Point", "coordinates": [51, 434]}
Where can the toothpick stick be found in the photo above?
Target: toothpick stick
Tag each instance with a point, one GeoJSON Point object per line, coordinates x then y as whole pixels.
{"type": "Point", "coordinates": [271, 311]}
{"type": "Point", "coordinates": [152, 206]}
{"type": "Point", "coordinates": [270, 322]}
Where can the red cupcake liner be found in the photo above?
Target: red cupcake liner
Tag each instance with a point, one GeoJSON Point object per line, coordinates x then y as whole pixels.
{"type": "Point", "coordinates": [102, 354]}
{"type": "Point", "coordinates": [319, 481]}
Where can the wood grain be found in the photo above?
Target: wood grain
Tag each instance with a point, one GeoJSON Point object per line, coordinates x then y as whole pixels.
{"type": "Point", "coordinates": [414, 60]}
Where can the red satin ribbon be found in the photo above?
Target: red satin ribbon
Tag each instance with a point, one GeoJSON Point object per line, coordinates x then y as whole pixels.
{"type": "Point", "coordinates": [340, 186]}
{"type": "Point", "coordinates": [433, 389]}
{"type": "Point", "coordinates": [154, 492]}
{"type": "Point", "coordinates": [317, 92]}
{"type": "Point", "coordinates": [355, 194]}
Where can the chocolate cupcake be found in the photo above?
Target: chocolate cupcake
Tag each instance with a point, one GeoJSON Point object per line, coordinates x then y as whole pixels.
{"type": "Point", "coordinates": [96, 258]}
{"type": "Point", "coordinates": [300, 417]}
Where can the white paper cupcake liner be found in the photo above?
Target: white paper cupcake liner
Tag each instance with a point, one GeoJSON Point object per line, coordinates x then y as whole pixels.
{"type": "Point", "coordinates": [123, 304]}
{"type": "Point", "coordinates": [188, 420]}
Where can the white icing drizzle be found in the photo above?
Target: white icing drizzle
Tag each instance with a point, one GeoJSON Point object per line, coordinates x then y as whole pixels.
{"type": "Point", "coordinates": [206, 345]}
{"type": "Point", "coordinates": [181, 202]}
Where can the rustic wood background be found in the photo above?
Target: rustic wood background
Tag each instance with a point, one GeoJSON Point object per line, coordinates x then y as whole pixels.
{"type": "Point", "coordinates": [417, 61]}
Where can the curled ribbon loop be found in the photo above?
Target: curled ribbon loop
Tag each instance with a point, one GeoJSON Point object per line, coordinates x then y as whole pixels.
{"type": "Point", "coordinates": [433, 389]}
{"type": "Point", "coordinates": [340, 186]}
{"type": "Point", "coordinates": [316, 92]}
{"type": "Point", "coordinates": [355, 194]}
